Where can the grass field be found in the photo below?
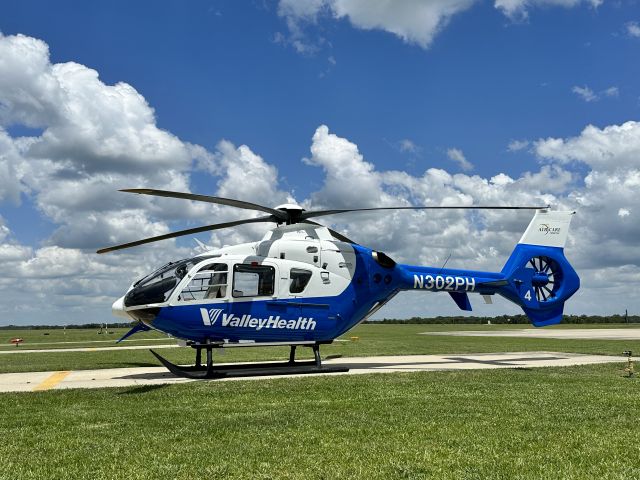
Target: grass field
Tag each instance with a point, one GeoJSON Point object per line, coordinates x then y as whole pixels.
{"type": "Point", "coordinates": [75, 337]}
{"type": "Point", "coordinates": [544, 423]}
{"type": "Point", "coordinates": [372, 340]}
{"type": "Point", "coordinates": [569, 423]}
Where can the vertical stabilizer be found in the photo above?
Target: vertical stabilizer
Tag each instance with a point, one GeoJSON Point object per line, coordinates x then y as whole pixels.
{"type": "Point", "coordinates": [539, 275]}
{"type": "Point", "coordinates": [548, 229]}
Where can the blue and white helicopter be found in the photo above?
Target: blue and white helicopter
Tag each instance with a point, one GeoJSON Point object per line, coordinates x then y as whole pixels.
{"type": "Point", "coordinates": [304, 284]}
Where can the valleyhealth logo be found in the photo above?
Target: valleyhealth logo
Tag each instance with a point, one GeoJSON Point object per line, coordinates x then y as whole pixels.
{"type": "Point", "coordinates": [211, 316]}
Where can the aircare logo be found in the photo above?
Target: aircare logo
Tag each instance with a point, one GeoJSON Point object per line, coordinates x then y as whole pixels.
{"type": "Point", "coordinates": [547, 230]}
{"type": "Point", "coordinates": [209, 318]}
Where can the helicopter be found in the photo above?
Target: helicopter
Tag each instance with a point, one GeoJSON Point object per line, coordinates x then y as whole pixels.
{"type": "Point", "coordinates": [304, 284]}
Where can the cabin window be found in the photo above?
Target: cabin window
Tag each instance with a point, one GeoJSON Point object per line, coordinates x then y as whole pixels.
{"type": "Point", "coordinates": [253, 280]}
{"type": "Point", "coordinates": [208, 284]}
{"type": "Point", "coordinates": [299, 279]}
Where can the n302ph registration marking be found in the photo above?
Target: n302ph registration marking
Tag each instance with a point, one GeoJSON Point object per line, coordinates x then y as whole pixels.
{"type": "Point", "coordinates": [441, 282]}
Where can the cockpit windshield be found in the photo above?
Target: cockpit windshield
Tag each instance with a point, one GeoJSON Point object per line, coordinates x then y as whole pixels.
{"type": "Point", "coordinates": [158, 286]}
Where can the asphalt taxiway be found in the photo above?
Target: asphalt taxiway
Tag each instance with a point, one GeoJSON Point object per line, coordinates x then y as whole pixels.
{"type": "Point", "coordinates": [140, 376]}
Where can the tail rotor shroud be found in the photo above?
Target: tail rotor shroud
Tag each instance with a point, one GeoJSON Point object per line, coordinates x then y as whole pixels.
{"type": "Point", "coordinates": [547, 278]}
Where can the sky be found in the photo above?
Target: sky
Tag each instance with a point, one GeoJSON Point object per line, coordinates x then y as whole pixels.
{"type": "Point", "coordinates": [327, 103]}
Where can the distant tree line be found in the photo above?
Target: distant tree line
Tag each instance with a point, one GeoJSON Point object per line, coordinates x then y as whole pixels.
{"type": "Point", "coordinates": [510, 319]}
{"type": "Point", "coordinates": [60, 327]}
{"type": "Point", "coordinates": [504, 319]}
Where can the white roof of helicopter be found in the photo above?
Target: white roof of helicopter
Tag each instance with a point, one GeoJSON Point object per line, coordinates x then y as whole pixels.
{"type": "Point", "coordinates": [288, 245]}
{"type": "Point", "coordinates": [294, 233]}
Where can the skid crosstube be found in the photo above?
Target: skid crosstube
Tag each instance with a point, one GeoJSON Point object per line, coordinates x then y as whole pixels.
{"type": "Point", "coordinates": [209, 371]}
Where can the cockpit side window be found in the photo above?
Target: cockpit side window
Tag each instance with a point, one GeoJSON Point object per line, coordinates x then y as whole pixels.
{"type": "Point", "coordinates": [299, 280]}
{"type": "Point", "coordinates": [210, 282]}
{"type": "Point", "coordinates": [253, 280]}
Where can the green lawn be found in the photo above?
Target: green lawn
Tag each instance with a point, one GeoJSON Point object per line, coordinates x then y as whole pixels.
{"type": "Point", "coordinates": [76, 337]}
{"type": "Point", "coordinates": [546, 423]}
{"type": "Point", "coordinates": [372, 340]}
{"type": "Point", "coordinates": [556, 423]}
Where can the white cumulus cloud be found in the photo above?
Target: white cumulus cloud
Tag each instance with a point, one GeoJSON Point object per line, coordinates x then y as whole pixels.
{"type": "Point", "coordinates": [633, 29]}
{"type": "Point", "coordinates": [588, 95]}
{"type": "Point", "coordinates": [517, 145]}
{"type": "Point", "coordinates": [72, 182]}
{"type": "Point", "coordinates": [407, 145]}
{"type": "Point", "coordinates": [457, 155]}
{"type": "Point", "coordinates": [585, 93]}
{"type": "Point", "coordinates": [414, 21]}
{"type": "Point", "coordinates": [518, 10]}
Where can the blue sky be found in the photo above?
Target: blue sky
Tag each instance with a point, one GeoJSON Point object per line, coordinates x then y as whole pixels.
{"type": "Point", "coordinates": [225, 70]}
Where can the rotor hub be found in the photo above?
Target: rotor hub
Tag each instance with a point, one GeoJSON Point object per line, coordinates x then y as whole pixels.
{"type": "Point", "coordinates": [539, 279]}
{"type": "Point", "coordinates": [546, 278]}
{"type": "Point", "coordinates": [290, 207]}
{"type": "Point", "coordinates": [293, 211]}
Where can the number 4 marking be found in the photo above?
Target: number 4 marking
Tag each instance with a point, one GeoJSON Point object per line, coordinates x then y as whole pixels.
{"type": "Point", "coordinates": [528, 295]}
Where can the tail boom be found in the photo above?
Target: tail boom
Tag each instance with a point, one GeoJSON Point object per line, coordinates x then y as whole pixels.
{"type": "Point", "coordinates": [537, 275]}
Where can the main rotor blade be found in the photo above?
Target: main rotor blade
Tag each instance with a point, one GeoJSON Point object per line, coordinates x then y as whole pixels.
{"type": "Point", "coordinates": [337, 235]}
{"type": "Point", "coordinates": [188, 231]}
{"type": "Point", "coordinates": [319, 213]}
{"type": "Point", "coordinates": [206, 198]}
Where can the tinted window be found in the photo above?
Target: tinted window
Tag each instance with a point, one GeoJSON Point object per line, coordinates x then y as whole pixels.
{"type": "Point", "coordinates": [299, 279]}
{"type": "Point", "coordinates": [253, 280]}
{"type": "Point", "coordinates": [158, 286]}
{"type": "Point", "coordinates": [171, 269]}
{"type": "Point", "coordinates": [154, 292]}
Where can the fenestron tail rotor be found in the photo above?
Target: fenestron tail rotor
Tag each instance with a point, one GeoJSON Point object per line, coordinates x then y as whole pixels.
{"type": "Point", "coordinates": [546, 279]}
{"type": "Point", "coordinates": [287, 214]}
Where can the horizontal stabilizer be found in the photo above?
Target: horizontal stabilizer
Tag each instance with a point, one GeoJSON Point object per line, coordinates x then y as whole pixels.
{"type": "Point", "coordinates": [494, 283]}
{"type": "Point", "coordinates": [462, 300]}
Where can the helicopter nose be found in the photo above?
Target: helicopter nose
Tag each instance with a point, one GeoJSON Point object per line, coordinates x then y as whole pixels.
{"type": "Point", "coordinates": [117, 309]}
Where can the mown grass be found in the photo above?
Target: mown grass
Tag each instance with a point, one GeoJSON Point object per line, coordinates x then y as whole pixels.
{"type": "Point", "coordinates": [87, 337]}
{"type": "Point", "coordinates": [555, 423]}
{"type": "Point", "coordinates": [372, 340]}
{"type": "Point", "coordinates": [75, 338]}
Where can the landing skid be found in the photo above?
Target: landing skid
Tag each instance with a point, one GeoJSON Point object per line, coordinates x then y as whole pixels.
{"type": "Point", "coordinates": [208, 371]}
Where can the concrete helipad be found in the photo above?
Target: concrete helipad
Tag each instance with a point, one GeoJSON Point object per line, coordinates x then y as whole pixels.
{"type": "Point", "coordinates": [566, 333]}
{"type": "Point", "coordinates": [126, 377]}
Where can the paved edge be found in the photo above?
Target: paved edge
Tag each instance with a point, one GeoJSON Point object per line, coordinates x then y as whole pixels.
{"type": "Point", "coordinates": [143, 376]}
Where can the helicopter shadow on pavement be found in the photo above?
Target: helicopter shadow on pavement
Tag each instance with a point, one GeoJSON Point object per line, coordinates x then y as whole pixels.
{"type": "Point", "coordinates": [409, 365]}
{"type": "Point", "coordinates": [447, 361]}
